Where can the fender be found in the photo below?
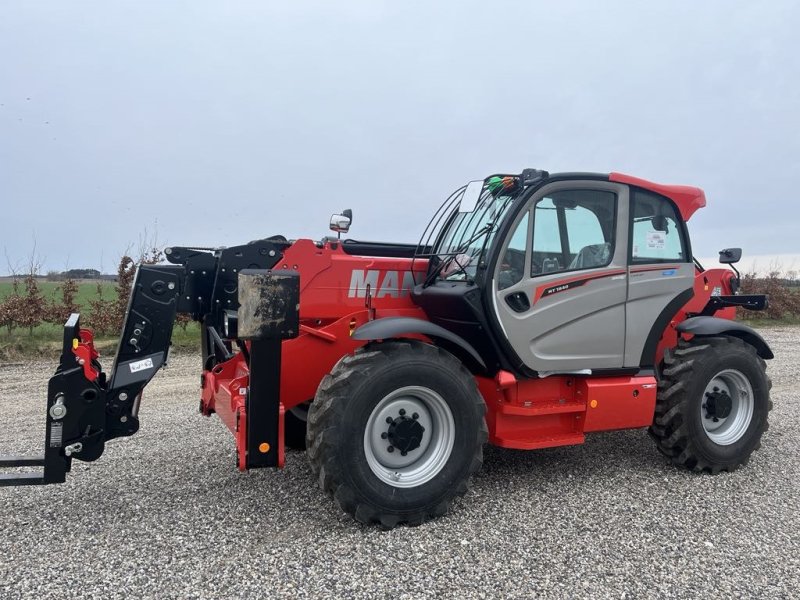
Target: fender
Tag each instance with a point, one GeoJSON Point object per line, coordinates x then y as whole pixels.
{"type": "Point", "coordinates": [705, 326]}
{"type": "Point", "coordinates": [390, 327]}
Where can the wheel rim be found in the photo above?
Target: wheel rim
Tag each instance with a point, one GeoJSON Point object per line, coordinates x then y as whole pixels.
{"type": "Point", "coordinates": [727, 407]}
{"type": "Point", "coordinates": [418, 425]}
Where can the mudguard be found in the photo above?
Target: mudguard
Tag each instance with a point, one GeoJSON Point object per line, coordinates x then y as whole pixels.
{"type": "Point", "coordinates": [390, 327]}
{"type": "Point", "coordinates": [705, 326]}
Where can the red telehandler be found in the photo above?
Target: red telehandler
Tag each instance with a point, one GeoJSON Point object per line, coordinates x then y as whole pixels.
{"type": "Point", "coordinates": [535, 309]}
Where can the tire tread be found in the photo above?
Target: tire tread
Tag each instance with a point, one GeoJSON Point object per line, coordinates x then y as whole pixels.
{"type": "Point", "coordinates": [670, 428]}
{"type": "Point", "coordinates": [328, 411]}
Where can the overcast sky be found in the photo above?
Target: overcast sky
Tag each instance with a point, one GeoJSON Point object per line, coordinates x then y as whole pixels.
{"type": "Point", "coordinates": [215, 123]}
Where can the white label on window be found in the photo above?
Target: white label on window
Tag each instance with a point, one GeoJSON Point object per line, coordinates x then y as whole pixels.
{"type": "Point", "coordinates": [141, 365]}
{"type": "Point", "coordinates": [635, 250]}
{"type": "Point", "coordinates": [656, 240]}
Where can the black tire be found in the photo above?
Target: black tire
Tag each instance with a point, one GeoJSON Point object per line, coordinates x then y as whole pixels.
{"type": "Point", "coordinates": [294, 427]}
{"type": "Point", "coordinates": [681, 406]}
{"type": "Point", "coordinates": [338, 429]}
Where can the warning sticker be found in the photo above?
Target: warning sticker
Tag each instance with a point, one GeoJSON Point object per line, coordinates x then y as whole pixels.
{"type": "Point", "coordinates": [56, 434]}
{"type": "Point", "coordinates": [141, 365]}
{"type": "Point", "coordinates": [656, 240]}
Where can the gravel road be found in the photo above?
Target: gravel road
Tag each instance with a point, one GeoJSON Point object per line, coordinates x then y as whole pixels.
{"type": "Point", "coordinates": [165, 514]}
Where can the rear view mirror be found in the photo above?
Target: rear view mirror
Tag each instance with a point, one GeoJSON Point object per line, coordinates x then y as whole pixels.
{"type": "Point", "coordinates": [565, 203]}
{"type": "Point", "coordinates": [730, 256]}
{"type": "Point", "coordinates": [341, 223]}
{"type": "Point", "coordinates": [565, 200]}
{"type": "Point", "coordinates": [471, 196]}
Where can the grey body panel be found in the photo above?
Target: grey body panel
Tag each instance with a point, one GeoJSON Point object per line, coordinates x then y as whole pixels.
{"type": "Point", "coordinates": [715, 326]}
{"type": "Point", "coordinates": [396, 326]}
{"type": "Point", "coordinates": [608, 317]}
{"type": "Point", "coordinates": [651, 288]}
{"type": "Point", "coordinates": [583, 327]}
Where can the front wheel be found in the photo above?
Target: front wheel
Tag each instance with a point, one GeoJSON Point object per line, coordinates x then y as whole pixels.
{"type": "Point", "coordinates": [712, 406]}
{"type": "Point", "coordinates": [396, 431]}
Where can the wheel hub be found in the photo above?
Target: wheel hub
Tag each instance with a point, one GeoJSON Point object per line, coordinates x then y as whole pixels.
{"type": "Point", "coordinates": [409, 436]}
{"type": "Point", "coordinates": [405, 434]}
{"type": "Point", "coordinates": [727, 407]}
{"type": "Point", "coordinates": [718, 404]}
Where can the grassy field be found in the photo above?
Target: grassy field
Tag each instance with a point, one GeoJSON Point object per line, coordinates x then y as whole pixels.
{"type": "Point", "coordinates": [46, 339]}
{"type": "Point", "coordinates": [46, 342]}
{"type": "Point", "coordinates": [87, 290]}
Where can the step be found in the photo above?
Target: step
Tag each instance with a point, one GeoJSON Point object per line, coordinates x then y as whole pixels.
{"type": "Point", "coordinates": [567, 439]}
{"type": "Point", "coordinates": [544, 407]}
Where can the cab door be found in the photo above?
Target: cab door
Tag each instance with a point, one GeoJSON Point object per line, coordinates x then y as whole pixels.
{"type": "Point", "coordinates": [560, 285]}
{"type": "Point", "coordinates": [660, 274]}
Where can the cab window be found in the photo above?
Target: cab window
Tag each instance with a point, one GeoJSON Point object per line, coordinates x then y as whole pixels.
{"type": "Point", "coordinates": [512, 267]}
{"type": "Point", "coordinates": [573, 230]}
{"type": "Point", "coordinates": [656, 232]}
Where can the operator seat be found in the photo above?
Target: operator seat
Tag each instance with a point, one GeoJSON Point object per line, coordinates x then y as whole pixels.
{"type": "Point", "coordinates": [594, 255]}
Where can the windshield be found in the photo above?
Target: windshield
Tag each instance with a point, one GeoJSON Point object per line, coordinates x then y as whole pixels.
{"type": "Point", "coordinates": [466, 236]}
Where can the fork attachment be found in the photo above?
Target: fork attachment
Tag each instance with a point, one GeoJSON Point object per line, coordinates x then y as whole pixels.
{"type": "Point", "coordinates": [85, 407]}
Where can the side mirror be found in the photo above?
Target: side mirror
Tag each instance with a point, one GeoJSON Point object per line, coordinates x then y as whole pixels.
{"type": "Point", "coordinates": [730, 256]}
{"type": "Point", "coordinates": [660, 223]}
{"type": "Point", "coordinates": [341, 223]}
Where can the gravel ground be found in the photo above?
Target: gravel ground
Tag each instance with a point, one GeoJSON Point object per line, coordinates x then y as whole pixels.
{"type": "Point", "coordinates": [165, 514]}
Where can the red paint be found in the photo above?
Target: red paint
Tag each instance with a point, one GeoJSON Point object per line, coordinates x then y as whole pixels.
{"type": "Point", "coordinates": [328, 315]}
{"type": "Point", "coordinates": [687, 198]}
{"type": "Point", "coordinates": [86, 354]}
{"type": "Point", "coordinates": [618, 402]}
{"type": "Point", "coordinates": [223, 392]}
{"type": "Point", "coordinates": [704, 284]}
{"type": "Point", "coordinates": [281, 436]}
{"type": "Point", "coordinates": [588, 277]}
{"type": "Point", "coordinates": [559, 410]}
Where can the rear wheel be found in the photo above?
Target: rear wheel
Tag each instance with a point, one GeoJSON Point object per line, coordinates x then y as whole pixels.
{"type": "Point", "coordinates": [396, 432]}
{"type": "Point", "coordinates": [713, 403]}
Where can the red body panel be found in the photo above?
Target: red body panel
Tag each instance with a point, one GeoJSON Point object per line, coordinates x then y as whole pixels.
{"type": "Point", "coordinates": [533, 413]}
{"type": "Point", "coordinates": [706, 283]}
{"type": "Point", "coordinates": [618, 402]}
{"type": "Point", "coordinates": [338, 293]}
{"type": "Point", "coordinates": [557, 411]}
{"type": "Point", "coordinates": [333, 303]}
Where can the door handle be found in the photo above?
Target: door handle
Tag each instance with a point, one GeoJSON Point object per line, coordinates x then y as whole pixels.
{"type": "Point", "coordinates": [518, 302]}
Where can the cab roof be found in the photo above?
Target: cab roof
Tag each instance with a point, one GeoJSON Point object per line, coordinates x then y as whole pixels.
{"type": "Point", "coordinates": [687, 198]}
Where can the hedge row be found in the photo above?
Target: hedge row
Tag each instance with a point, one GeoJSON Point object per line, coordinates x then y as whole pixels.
{"type": "Point", "coordinates": [26, 307]}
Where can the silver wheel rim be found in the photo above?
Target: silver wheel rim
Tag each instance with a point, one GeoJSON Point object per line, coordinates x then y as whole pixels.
{"type": "Point", "coordinates": [729, 429]}
{"type": "Point", "coordinates": [422, 463]}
